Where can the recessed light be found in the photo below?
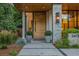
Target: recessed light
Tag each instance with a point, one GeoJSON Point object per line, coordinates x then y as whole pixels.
{"type": "Point", "coordinates": [26, 7]}
{"type": "Point", "coordinates": [43, 7]}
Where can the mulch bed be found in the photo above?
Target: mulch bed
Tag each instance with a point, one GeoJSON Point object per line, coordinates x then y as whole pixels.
{"type": "Point", "coordinates": [5, 52]}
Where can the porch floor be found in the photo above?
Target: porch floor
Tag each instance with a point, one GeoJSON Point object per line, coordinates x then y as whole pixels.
{"type": "Point", "coordinates": [39, 48]}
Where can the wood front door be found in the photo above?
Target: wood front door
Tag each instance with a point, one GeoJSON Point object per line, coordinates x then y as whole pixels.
{"type": "Point", "coordinates": [39, 25]}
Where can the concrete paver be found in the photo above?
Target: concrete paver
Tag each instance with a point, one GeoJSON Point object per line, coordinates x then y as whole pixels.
{"type": "Point", "coordinates": [39, 49]}
{"type": "Point", "coordinates": [71, 52]}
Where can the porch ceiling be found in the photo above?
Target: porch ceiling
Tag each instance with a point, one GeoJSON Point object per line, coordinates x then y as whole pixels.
{"type": "Point", "coordinates": [33, 6]}
{"type": "Point", "coordinates": [70, 6]}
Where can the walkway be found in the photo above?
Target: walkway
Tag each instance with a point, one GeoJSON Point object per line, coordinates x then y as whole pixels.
{"type": "Point", "coordinates": [38, 48]}
{"type": "Point", "coordinates": [71, 52]}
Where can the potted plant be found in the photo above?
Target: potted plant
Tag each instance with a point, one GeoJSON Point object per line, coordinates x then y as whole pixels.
{"type": "Point", "coordinates": [29, 36]}
{"type": "Point", "coordinates": [48, 36]}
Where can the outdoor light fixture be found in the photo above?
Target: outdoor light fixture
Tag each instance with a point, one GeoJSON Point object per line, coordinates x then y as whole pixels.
{"type": "Point", "coordinates": [57, 17]}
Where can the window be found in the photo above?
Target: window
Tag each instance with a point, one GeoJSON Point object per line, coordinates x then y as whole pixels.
{"type": "Point", "coordinates": [70, 19]}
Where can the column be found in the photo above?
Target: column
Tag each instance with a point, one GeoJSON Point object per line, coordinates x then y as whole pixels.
{"type": "Point", "coordinates": [23, 25]}
{"type": "Point", "coordinates": [57, 17]}
{"type": "Point", "coordinates": [49, 20]}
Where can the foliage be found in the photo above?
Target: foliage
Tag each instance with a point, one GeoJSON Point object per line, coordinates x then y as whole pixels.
{"type": "Point", "coordinates": [59, 43]}
{"type": "Point", "coordinates": [29, 33]}
{"type": "Point", "coordinates": [10, 18]}
{"type": "Point", "coordinates": [48, 33]}
{"type": "Point", "coordinates": [64, 43]}
{"type": "Point", "coordinates": [74, 46]}
{"type": "Point", "coordinates": [72, 30]}
{"type": "Point", "coordinates": [7, 37]}
{"type": "Point", "coordinates": [13, 53]}
{"type": "Point", "coordinates": [20, 42]}
{"type": "Point", "coordinates": [65, 32]}
{"type": "Point", "coordinates": [3, 46]}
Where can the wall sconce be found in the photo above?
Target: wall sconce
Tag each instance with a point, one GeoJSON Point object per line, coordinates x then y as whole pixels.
{"type": "Point", "coordinates": [57, 17]}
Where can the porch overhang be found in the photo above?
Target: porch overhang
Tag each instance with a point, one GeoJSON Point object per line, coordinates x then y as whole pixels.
{"type": "Point", "coordinates": [33, 6]}
{"type": "Point", "coordinates": [70, 6]}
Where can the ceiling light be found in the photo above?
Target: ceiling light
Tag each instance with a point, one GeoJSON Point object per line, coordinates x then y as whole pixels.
{"type": "Point", "coordinates": [43, 7]}
{"type": "Point", "coordinates": [26, 7]}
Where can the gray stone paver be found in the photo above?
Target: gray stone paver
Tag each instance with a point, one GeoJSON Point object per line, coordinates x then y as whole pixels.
{"type": "Point", "coordinates": [40, 52]}
{"type": "Point", "coordinates": [39, 49]}
{"type": "Point", "coordinates": [39, 45]}
{"type": "Point", "coordinates": [71, 52]}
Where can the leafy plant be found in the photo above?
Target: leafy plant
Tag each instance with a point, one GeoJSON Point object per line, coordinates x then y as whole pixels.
{"type": "Point", "coordinates": [29, 33]}
{"type": "Point", "coordinates": [48, 33]}
{"type": "Point", "coordinates": [74, 46]}
{"type": "Point", "coordinates": [3, 46]}
{"type": "Point", "coordinates": [64, 43]}
{"type": "Point", "coordinates": [59, 44]}
{"type": "Point", "coordinates": [67, 31]}
{"type": "Point", "coordinates": [9, 17]}
{"type": "Point", "coordinates": [7, 37]}
{"type": "Point", "coordinates": [13, 53]}
{"type": "Point", "coordinates": [20, 42]}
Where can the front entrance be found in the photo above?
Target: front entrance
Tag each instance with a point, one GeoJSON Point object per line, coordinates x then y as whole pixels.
{"type": "Point", "coordinates": [39, 25]}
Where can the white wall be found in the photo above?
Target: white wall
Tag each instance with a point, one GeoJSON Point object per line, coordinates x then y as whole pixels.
{"type": "Point", "coordinates": [49, 20]}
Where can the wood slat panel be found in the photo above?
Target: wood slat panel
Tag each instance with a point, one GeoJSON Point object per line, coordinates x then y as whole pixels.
{"type": "Point", "coordinates": [33, 6]}
{"type": "Point", "coordinates": [70, 6]}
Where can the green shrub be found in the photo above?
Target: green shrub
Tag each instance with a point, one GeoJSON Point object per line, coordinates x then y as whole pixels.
{"type": "Point", "coordinates": [67, 31]}
{"type": "Point", "coordinates": [3, 46]}
{"type": "Point", "coordinates": [20, 42]}
{"type": "Point", "coordinates": [74, 46]}
{"type": "Point", "coordinates": [48, 33]}
{"type": "Point", "coordinates": [64, 43]}
{"type": "Point", "coordinates": [7, 37]}
{"type": "Point", "coordinates": [29, 33]}
{"type": "Point", "coordinates": [59, 44]}
{"type": "Point", "coordinates": [13, 53]}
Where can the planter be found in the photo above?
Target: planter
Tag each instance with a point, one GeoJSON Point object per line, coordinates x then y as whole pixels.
{"type": "Point", "coordinates": [73, 38]}
{"type": "Point", "coordinates": [48, 36]}
{"type": "Point", "coordinates": [29, 38]}
{"type": "Point", "coordinates": [48, 39]}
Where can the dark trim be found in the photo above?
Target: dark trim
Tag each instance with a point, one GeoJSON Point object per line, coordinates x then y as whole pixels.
{"type": "Point", "coordinates": [76, 20]}
{"type": "Point", "coordinates": [59, 49]}
{"type": "Point", "coordinates": [25, 23]}
{"type": "Point", "coordinates": [62, 52]}
{"type": "Point", "coordinates": [68, 19]}
{"type": "Point", "coordinates": [70, 10]}
{"type": "Point", "coordinates": [52, 25]}
{"type": "Point", "coordinates": [33, 25]}
{"type": "Point", "coordinates": [73, 19]}
{"type": "Point", "coordinates": [34, 21]}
